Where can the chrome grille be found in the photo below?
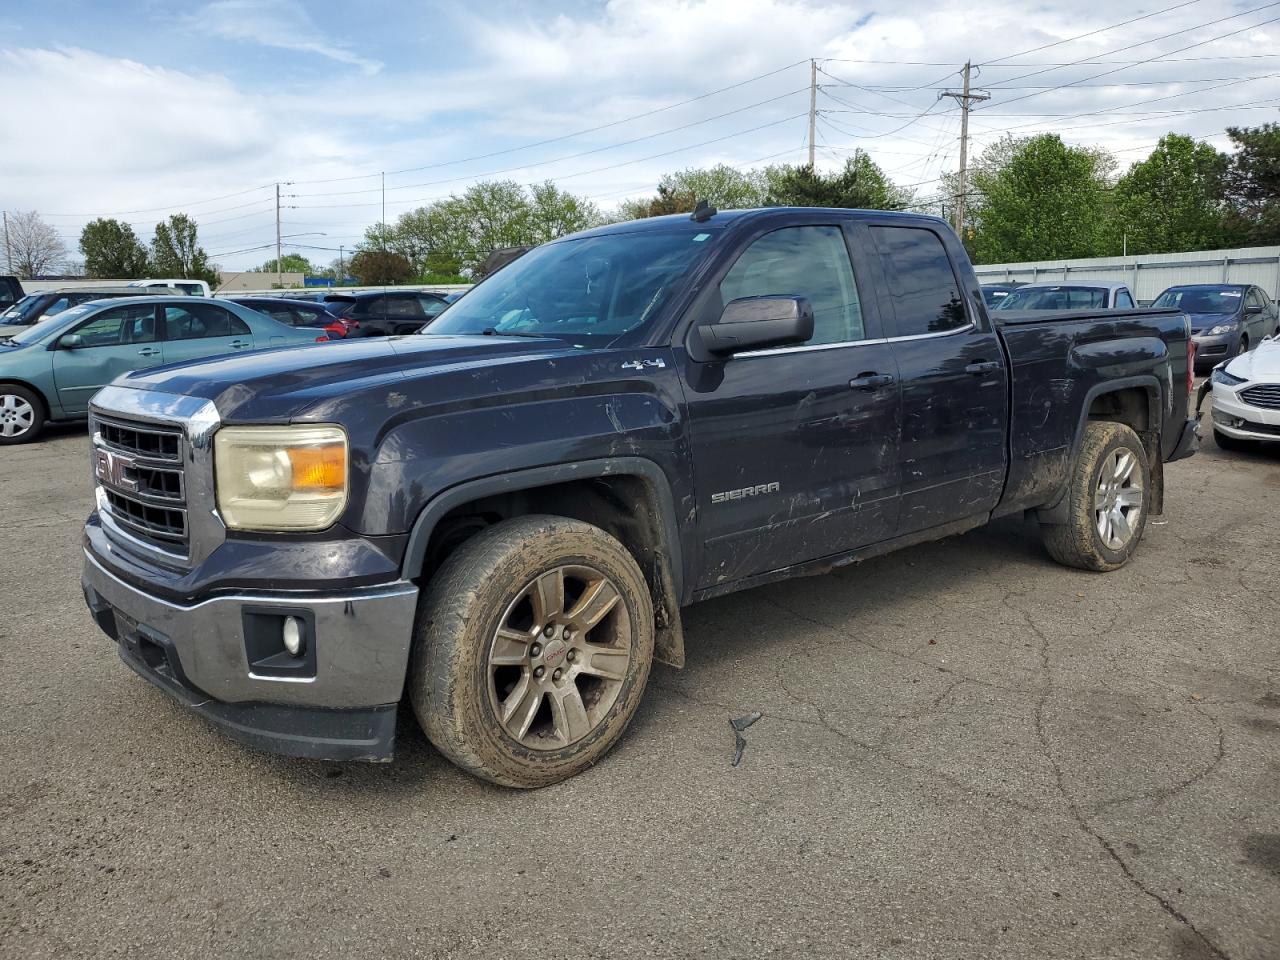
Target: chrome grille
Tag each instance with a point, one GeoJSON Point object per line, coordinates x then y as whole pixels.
{"type": "Point", "coordinates": [138, 467]}
{"type": "Point", "coordinates": [1265, 395]}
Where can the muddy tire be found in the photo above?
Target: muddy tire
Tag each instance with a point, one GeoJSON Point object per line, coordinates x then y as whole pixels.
{"type": "Point", "coordinates": [21, 414]}
{"type": "Point", "coordinates": [1107, 501]}
{"type": "Point", "coordinates": [531, 651]}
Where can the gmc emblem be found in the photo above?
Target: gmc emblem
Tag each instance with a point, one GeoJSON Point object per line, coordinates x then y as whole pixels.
{"type": "Point", "coordinates": [113, 469]}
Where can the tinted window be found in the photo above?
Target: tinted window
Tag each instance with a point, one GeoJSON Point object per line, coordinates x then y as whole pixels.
{"type": "Point", "coordinates": [201, 320]}
{"type": "Point", "coordinates": [1200, 299]}
{"type": "Point", "coordinates": [404, 307]}
{"type": "Point", "coordinates": [926, 297]}
{"type": "Point", "coordinates": [1123, 299]}
{"type": "Point", "coordinates": [432, 306]}
{"type": "Point", "coordinates": [810, 262]}
{"type": "Point", "coordinates": [119, 325]}
{"type": "Point", "coordinates": [1057, 297]}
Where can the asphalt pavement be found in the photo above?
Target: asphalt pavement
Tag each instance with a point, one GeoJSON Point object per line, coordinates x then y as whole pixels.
{"type": "Point", "coordinates": [965, 751]}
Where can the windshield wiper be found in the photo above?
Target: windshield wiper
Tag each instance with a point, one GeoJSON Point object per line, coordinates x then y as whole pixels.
{"type": "Point", "coordinates": [495, 332]}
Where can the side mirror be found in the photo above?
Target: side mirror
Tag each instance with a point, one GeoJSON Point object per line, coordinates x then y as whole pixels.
{"type": "Point", "coordinates": [71, 341]}
{"type": "Point", "coordinates": [1253, 309]}
{"type": "Point", "coordinates": [753, 323]}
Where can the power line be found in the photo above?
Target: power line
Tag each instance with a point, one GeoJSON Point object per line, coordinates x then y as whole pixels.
{"type": "Point", "coordinates": [1091, 33]}
{"type": "Point", "coordinates": [569, 136]}
{"type": "Point", "coordinates": [172, 206]}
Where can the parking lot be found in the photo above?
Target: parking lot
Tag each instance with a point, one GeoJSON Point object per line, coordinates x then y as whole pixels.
{"type": "Point", "coordinates": [965, 750]}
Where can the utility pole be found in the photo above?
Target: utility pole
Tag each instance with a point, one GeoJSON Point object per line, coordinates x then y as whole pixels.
{"type": "Point", "coordinates": [813, 106]}
{"type": "Point", "coordinates": [342, 268]}
{"type": "Point", "coordinates": [8, 251]}
{"type": "Point", "coordinates": [964, 98]}
{"type": "Point", "coordinates": [383, 232]}
{"type": "Point", "coordinates": [279, 265]}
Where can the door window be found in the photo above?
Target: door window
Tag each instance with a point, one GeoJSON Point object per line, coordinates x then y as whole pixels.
{"type": "Point", "coordinates": [118, 326]}
{"type": "Point", "coordinates": [1123, 300]}
{"type": "Point", "coordinates": [811, 262]}
{"type": "Point", "coordinates": [432, 307]}
{"type": "Point", "coordinates": [404, 307]}
{"type": "Point", "coordinates": [199, 321]}
{"type": "Point", "coordinates": [926, 297]}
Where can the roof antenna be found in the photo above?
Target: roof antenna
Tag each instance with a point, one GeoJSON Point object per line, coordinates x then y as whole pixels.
{"type": "Point", "coordinates": [702, 212]}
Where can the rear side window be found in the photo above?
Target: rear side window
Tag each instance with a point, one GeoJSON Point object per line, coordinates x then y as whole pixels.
{"type": "Point", "coordinates": [199, 321]}
{"type": "Point", "coordinates": [403, 307]}
{"type": "Point", "coordinates": [1123, 300]}
{"type": "Point", "coordinates": [811, 262]}
{"type": "Point", "coordinates": [926, 297]}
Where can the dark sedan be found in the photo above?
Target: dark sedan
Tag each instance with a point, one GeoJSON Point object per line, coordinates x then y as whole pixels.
{"type": "Point", "coordinates": [385, 314]}
{"type": "Point", "coordinates": [1226, 319]}
{"type": "Point", "coordinates": [296, 313]}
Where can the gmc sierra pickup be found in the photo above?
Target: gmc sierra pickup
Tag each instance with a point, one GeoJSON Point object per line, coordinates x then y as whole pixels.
{"type": "Point", "coordinates": [504, 515]}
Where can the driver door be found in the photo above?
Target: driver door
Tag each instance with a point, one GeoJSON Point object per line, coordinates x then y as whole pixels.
{"type": "Point", "coordinates": [112, 342]}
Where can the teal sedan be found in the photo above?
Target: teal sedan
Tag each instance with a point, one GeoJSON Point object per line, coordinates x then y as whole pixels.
{"type": "Point", "coordinates": [51, 370]}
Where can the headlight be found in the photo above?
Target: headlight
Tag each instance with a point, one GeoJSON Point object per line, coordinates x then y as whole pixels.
{"type": "Point", "coordinates": [1221, 376]}
{"type": "Point", "coordinates": [1220, 329]}
{"type": "Point", "coordinates": [280, 478]}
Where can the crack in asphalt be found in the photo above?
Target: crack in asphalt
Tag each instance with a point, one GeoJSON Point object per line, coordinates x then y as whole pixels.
{"type": "Point", "coordinates": [1073, 807]}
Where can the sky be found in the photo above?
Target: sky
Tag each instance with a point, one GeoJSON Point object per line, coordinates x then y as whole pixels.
{"type": "Point", "coordinates": [142, 109]}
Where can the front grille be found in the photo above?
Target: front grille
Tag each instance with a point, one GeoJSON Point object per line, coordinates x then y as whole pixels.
{"type": "Point", "coordinates": [139, 468]}
{"type": "Point", "coordinates": [1265, 395]}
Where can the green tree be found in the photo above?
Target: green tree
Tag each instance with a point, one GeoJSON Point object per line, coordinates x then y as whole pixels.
{"type": "Point", "coordinates": [1253, 185]}
{"type": "Point", "coordinates": [289, 263]}
{"type": "Point", "coordinates": [1046, 201]}
{"type": "Point", "coordinates": [176, 251]}
{"type": "Point", "coordinates": [861, 184]}
{"type": "Point", "coordinates": [1171, 201]}
{"type": "Point", "coordinates": [112, 249]}
{"type": "Point", "coordinates": [724, 187]}
{"type": "Point", "coordinates": [376, 268]}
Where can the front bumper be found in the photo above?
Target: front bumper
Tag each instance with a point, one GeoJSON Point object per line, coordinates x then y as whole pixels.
{"type": "Point", "coordinates": [1241, 420]}
{"type": "Point", "coordinates": [337, 701]}
{"type": "Point", "coordinates": [1212, 350]}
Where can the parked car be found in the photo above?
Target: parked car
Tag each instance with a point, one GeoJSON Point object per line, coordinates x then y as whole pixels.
{"type": "Point", "coordinates": [502, 521]}
{"type": "Point", "coordinates": [1246, 397]}
{"type": "Point", "coordinates": [10, 292]}
{"type": "Point", "coordinates": [1226, 318]}
{"type": "Point", "coordinates": [193, 288]}
{"type": "Point", "coordinates": [1069, 296]}
{"type": "Point", "coordinates": [387, 313]}
{"type": "Point", "coordinates": [296, 313]}
{"type": "Point", "coordinates": [50, 370]}
{"type": "Point", "coordinates": [994, 293]}
{"type": "Point", "coordinates": [49, 303]}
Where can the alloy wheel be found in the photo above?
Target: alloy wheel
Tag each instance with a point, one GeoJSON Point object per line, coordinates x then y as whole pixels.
{"type": "Point", "coordinates": [16, 415]}
{"type": "Point", "coordinates": [559, 657]}
{"type": "Point", "coordinates": [1117, 498]}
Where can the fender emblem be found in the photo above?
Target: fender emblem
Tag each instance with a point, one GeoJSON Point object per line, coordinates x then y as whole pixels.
{"type": "Point", "coordinates": [641, 364]}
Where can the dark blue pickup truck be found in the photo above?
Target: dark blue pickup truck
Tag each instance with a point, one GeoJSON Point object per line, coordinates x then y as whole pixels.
{"type": "Point", "coordinates": [503, 516]}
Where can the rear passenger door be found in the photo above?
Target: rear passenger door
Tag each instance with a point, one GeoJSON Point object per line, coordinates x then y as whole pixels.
{"type": "Point", "coordinates": [1262, 323]}
{"type": "Point", "coordinates": [952, 457]}
{"type": "Point", "coordinates": [794, 448]}
{"type": "Point", "coordinates": [202, 329]}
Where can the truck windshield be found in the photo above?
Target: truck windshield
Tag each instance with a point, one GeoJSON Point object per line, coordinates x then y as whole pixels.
{"type": "Point", "coordinates": [1055, 298]}
{"type": "Point", "coordinates": [589, 291]}
{"type": "Point", "coordinates": [1200, 299]}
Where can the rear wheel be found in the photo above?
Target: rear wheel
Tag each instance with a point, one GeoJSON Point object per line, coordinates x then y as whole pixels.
{"type": "Point", "coordinates": [532, 650]}
{"type": "Point", "coordinates": [1107, 500]}
{"type": "Point", "coordinates": [21, 414]}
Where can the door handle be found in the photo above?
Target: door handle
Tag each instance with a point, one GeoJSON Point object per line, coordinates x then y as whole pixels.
{"type": "Point", "coordinates": [148, 352]}
{"type": "Point", "coordinates": [871, 381]}
{"type": "Point", "coordinates": [238, 344]}
{"type": "Point", "coordinates": [982, 366]}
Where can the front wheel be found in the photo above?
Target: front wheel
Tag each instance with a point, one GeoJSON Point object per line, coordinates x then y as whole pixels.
{"type": "Point", "coordinates": [21, 414]}
{"type": "Point", "coordinates": [1107, 500]}
{"type": "Point", "coordinates": [532, 649]}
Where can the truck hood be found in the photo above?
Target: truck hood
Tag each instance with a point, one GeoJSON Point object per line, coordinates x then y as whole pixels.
{"type": "Point", "coordinates": [274, 385]}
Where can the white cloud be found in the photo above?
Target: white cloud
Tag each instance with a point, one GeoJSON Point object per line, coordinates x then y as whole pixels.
{"type": "Point", "coordinates": [275, 23]}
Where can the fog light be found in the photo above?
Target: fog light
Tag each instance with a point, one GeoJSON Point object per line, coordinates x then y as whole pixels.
{"type": "Point", "coordinates": [293, 638]}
